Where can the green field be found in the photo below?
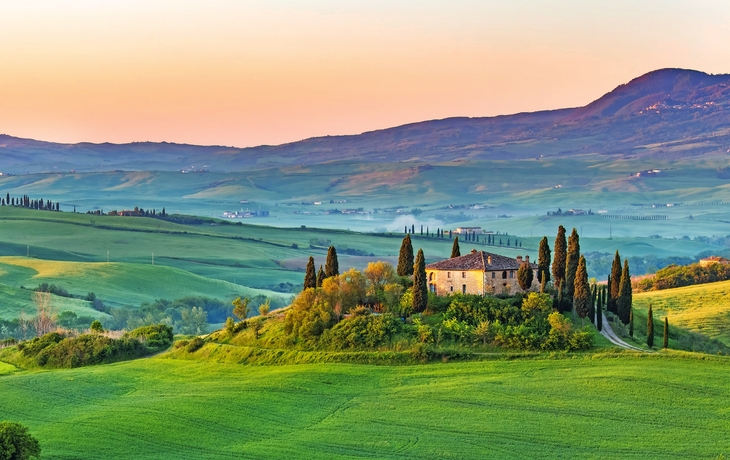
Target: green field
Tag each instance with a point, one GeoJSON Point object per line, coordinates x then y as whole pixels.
{"type": "Point", "coordinates": [592, 406]}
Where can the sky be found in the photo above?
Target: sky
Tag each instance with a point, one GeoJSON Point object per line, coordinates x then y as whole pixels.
{"type": "Point", "coordinates": [251, 72]}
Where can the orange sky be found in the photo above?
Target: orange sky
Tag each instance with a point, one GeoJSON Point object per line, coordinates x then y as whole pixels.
{"type": "Point", "coordinates": [265, 72]}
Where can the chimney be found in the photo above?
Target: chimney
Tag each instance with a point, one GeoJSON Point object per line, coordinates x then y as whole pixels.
{"type": "Point", "coordinates": [489, 260]}
{"type": "Point", "coordinates": [473, 251]}
{"type": "Point", "coordinates": [519, 258]}
{"type": "Point", "coordinates": [527, 259]}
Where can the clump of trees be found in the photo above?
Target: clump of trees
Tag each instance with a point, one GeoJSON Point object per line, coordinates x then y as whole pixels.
{"type": "Point", "coordinates": [16, 443]}
{"type": "Point", "coordinates": [678, 276]}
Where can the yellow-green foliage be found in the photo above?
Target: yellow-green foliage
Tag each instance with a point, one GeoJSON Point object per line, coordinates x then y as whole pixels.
{"type": "Point", "coordinates": [703, 308]}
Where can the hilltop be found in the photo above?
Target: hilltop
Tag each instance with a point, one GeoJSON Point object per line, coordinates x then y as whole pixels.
{"type": "Point", "coordinates": [668, 105]}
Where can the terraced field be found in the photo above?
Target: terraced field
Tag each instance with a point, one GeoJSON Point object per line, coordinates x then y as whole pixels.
{"type": "Point", "coordinates": [589, 406]}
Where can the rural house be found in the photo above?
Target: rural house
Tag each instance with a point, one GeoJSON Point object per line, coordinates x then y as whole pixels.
{"type": "Point", "coordinates": [479, 273]}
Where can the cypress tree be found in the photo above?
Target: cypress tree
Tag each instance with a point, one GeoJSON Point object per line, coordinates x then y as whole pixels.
{"type": "Point", "coordinates": [559, 256]}
{"type": "Point", "coordinates": [623, 303]}
{"type": "Point", "coordinates": [666, 333]}
{"type": "Point", "coordinates": [543, 260]}
{"type": "Point", "coordinates": [405, 258]}
{"type": "Point", "coordinates": [614, 283]}
{"type": "Point", "coordinates": [421, 229]}
{"type": "Point", "coordinates": [592, 304]}
{"type": "Point", "coordinates": [571, 262]}
{"type": "Point", "coordinates": [455, 252]}
{"type": "Point", "coordinates": [331, 265]}
{"type": "Point", "coordinates": [631, 322]}
{"type": "Point", "coordinates": [582, 290]}
{"type": "Point", "coordinates": [562, 302]}
{"type": "Point", "coordinates": [310, 277]}
{"type": "Point", "coordinates": [543, 284]}
{"type": "Point", "coordinates": [320, 276]}
{"type": "Point", "coordinates": [650, 328]}
{"type": "Point", "coordinates": [420, 289]}
{"type": "Point", "coordinates": [599, 312]}
{"type": "Point", "coordinates": [525, 276]}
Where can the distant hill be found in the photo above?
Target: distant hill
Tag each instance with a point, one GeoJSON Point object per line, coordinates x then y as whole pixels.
{"type": "Point", "coordinates": [681, 107]}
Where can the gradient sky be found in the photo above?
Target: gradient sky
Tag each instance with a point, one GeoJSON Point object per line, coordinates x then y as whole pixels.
{"type": "Point", "coordinates": [244, 73]}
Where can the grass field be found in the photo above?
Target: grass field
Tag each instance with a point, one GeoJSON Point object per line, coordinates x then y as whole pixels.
{"type": "Point", "coordinates": [591, 406]}
{"type": "Point", "coordinates": [16, 301]}
{"type": "Point", "coordinates": [703, 308]}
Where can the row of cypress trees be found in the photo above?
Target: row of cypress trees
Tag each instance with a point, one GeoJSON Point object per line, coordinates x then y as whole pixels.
{"type": "Point", "coordinates": [331, 268]}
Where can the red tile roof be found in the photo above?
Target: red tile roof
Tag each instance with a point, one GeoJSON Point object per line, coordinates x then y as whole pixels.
{"type": "Point", "coordinates": [478, 260]}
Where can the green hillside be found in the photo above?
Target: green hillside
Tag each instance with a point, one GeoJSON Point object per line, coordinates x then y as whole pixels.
{"type": "Point", "coordinates": [15, 301]}
{"type": "Point", "coordinates": [585, 407]}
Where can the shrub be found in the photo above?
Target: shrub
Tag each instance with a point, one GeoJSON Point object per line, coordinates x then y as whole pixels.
{"type": "Point", "coordinates": [195, 345]}
{"type": "Point", "coordinates": [181, 343]}
{"type": "Point", "coordinates": [362, 330]}
{"type": "Point", "coordinates": [157, 336]}
{"type": "Point", "coordinates": [16, 443]}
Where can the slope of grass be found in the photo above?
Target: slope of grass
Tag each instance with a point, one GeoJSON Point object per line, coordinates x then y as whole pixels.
{"type": "Point", "coordinates": [7, 368]}
{"type": "Point", "coordinates": [703, 308]}
{"type": "Point", "coordinates": [119, 283]}
{"type": "Point", "coordinates": [16, 301]}
{"type": "Point", "coordinates": [622, 407]}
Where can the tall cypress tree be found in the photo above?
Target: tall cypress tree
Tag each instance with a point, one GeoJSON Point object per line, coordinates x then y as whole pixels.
{"type": "Point", "coordinates": [571, 262]}
{"type": "Point", "coordinates": [614, 283]}
{"type": "Point", "coordinates": [524, 276]}
{"type": "Point", "coordinates": [599, 311]}
{"type": "Point", "coordinates": [310, 277]}
{"type": "Point", "coordinates": [582, 290]}
{"type": "Point", "coordinates": [331, 265]}
{"type": "Point", "coordinates": [625, 298]}
{"type": "Point", "coordinates": [666, 333]}
{"type": "Point", "coordinates": [320, 276]}
{"type": "Point", "coordinates": [650, 328]}
{"type": "Point", "coordinates": [631, 322]}
{"type": "Point", "coordinates": [561, 248]}
{"type": "Point", "coordinates": [592, 304]}
{"type": "Point", "coordinates": [405, 258]}
{"type": "Point", "coordinates": [420, 289]}
{"type": "Point", "coordinates": [455, 252]}
{"type": "Point", "coordinates": [543, 260]}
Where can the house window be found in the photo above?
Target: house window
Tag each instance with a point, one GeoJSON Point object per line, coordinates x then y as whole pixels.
{"type": "Point", "coordinates": [463, 288]}
{"type": "Point", "coordinates": [430, 276]}
{"type": "Point", "coordinates": [463, 274]}
{"type": "Point", "coordinates": [504, 275]}
{"type": "Point", "coordinates": [494, 274]}
{"type": "Point", "coordinates": [511, 274]}
{"type": "Point", "coordinates": [448, 274]}
{"type": "Point", "coordinates": [433, 288]}
{"type": "Point", "coordinates": [451, 288]}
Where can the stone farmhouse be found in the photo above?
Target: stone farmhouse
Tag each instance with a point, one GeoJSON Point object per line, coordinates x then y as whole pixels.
{"type": "Point", "coordinates": [479, 272]}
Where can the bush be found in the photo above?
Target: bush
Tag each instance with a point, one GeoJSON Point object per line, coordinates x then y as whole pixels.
{"type": "Point", "coordinates": [195, 345]}
{"type": "Point", "coordinates": [181, 344]}
{"type": "Point", "coordinates": [16, 443]}
{"type": "Point", "coordinates": [158, 336]}
{"type": "Point", "coordinates": [362, 330]}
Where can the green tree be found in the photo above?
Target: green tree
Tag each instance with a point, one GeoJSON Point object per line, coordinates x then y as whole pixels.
{"type": "Point", "coordinates": [405, 258]}
{"type": "Point", "coordinates": [320, 276]}
{"type": "Point", "coordinates": [543, 283]}
{"type": "Point", "coordinates": [571, 262]}
{"type": "Point", "coordinates": [265, 308]}
{"type": "Point", "coordinates": [592, 304]}
{"type": "Point", "coordinates": [582, 290]}
{"type": "Point", "coordinates": [310, 277]}
{"type": "Point", "coordinates": [631, 323]}
{"type": "Point", "coordinates": [623, 303]}
{"type": "Point", "coordinates": [543, 261]}
{"type": "Point", "coordinates": [420, 289]}
{"type": "Point", "coordinates": [599, 311]}
{"type": "Point", "coordinates": [193, 321]}
{"type": "Point", "coordinates": [331, 265]}
{"type": "Point", "coordinates": [560, 256]}
{"type": "Point", "coordinates": [614, 284]}
{"type": "Point", "coordinates": [650, 328]}
{"type": "Point", "coordinates": [455, 251]}
{"type": "Point", "coordinates": [230, 325]}
{"type": "Point", "coordinates": [16, 443]}
{"type": "Point", "coordinates": [666, 333]}
{"type": "Point", "coordinates": [241, 308]}
{"type": "Point", "coordinates": [257, 324]}
{"type": "Point", "coordinates": [525, 276]}
{"type": "Point", "coordinates": [96, 327]}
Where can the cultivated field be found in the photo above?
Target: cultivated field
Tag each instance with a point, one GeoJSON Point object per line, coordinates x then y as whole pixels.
{"type": "Point", "coordinates": [589, 406]}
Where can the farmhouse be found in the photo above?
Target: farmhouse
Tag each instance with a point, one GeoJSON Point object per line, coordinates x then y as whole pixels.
{"type": "Point", "coordinates": [713, 260]}
{"type": "Point", "coordinates": [479, 273]}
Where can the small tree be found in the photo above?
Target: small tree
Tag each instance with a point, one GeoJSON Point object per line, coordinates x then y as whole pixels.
{"type": "Point", "coordinates": [650, 328]}
{"type": "Point", "coordinates": [230, 325]}
{"type": "Point", "coordinates": [525, 276]}
{"type": "Point", "coordinates": [96, 327]}
{"type": "Point", "coordinates": [561, 248]}
{"type": "Point", "coordinates": [631, 322]}
{"type": "Point", "coordinates": [666, 333]}
{"type": "Point", "coordinates": [483, 331]}
{"type": "Point", "coordinates": [599, 312]}
{"type": "Point", "coordinates": [320, 276]}
{"type": "Point", "coordinates": [257, 324]}
{"type": "Point", "coordinates": [614, 284]}
{"type": "Point", "coordinates": [310, 277]}
{"type": "Point", "coordinates": [16, 443]}
{"type": "Point", "coordinates": [331, 266]}
{"type": "Point", "coordinates": [543, 261]}
{"type": "Point", "coordinates": [265, 308]}
{"type": "Point", "coordinates": [241, 308]}
{"type": "Point", "coordinates": [405, 258]}
{"type": "Point", "coordinates": [420, 289]}
{"type": "Point", "coordinates": [582, 290]}
{"type": "Point", "coordinates": [455, 251]}
{"type": "Point", "coordinates": [623, 303]}
{"type": "Point", "coordinates": [571, 262]}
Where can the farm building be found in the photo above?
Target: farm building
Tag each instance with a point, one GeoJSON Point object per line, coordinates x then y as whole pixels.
{"type": "Point", "coordinates": [713, 260]}
{"type": "Point", "coordinates": [479, 273]}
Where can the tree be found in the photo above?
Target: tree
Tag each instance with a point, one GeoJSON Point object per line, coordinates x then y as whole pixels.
{"type": "Point", "coordinates": [96, 327]}
{"type": "Point", "coordinates": [455, 251]}
{"type": "Point", "coordinates": [405, 258]}
{"type": "Point", "coordinates": [241, 308]}
{"type": "Point", "coordinates": [194, 321]}
{"type": "Point", "coordinates": [45, 318]}
{"type": "Point", "coordinates": [666, 333]}
{"type": "Point", "coordinates": [420, 289]}
{"type": "Point", "coordinates": [623, 303]}
{"type": "Point", "coordinates": [310, 276]}
{"type": "Point", "coordinates": [650, 328]}
{"type": "Point", "coordinates": [560, 256]}
{"type": "Point", "coordinates": [543, 261]}
{"type": "Point", "coordinates": [571, 262]}
{"type": "Point", "coordinates": [592, 304]}
{"type": "Point", "coordinates": [230, 325]}
{"type": "Point", "coordinates": [265, 308]}
{"type": "Point", "coordinates": [631, 323]}
{"type": "Point", "coordinates": [16, 443]}
{"type": "Point", "coordinates": [599, 311]}
{"type": "Point", "coordinates": [525, 276]}
{"type": "Point", "coordinates": [543, 283]}
{"type": "Point", "coordinates": [614, 284]}
{"type": "Point", "coordinates": [320, 276]}
{"type": "Point", "coordinates": [582, 290]}
{"type": "Point", "coordinates": [257, 324]}
{"type": "Point", "coordinates": [331, 265]}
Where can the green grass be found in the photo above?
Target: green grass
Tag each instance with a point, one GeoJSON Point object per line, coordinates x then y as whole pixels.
{"type": "Point", "coordinates": [592, 406]}
{"type": "Point", "coordinates": [16, 301]}
{"type": "Point", "coordinates": [7, 368]}
{"type": "Point", "coordinates": [703, 308]}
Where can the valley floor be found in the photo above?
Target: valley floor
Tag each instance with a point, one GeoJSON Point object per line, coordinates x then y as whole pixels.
{"type": "Point", "coordinates": [663, 405]}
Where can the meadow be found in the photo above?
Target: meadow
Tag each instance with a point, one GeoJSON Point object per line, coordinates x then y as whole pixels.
{"type": "Point", "coordinates": [586, 406]}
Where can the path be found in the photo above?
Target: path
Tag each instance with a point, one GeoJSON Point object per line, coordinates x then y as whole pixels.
{"type": "Point", "coordinates": [608, 333]}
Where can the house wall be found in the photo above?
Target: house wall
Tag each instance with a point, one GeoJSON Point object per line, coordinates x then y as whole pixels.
{"type": "Point", "coordinates": [476, 282]}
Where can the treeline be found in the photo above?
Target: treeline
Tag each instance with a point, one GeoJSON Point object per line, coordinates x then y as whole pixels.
{"type": "Point", "coordinates": [677, 276]}
{"type": "Point", "coordinates": [490, 239]}
{"type": "Point", "coordinates": [56, 350]}
{"type": "Point", "coordinates": [26, 202]}
{"type": "Point", "coordinates": [599, 263]}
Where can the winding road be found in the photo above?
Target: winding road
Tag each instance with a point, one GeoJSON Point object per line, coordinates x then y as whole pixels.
{"type": "Point", "coordinates": [608, 333]}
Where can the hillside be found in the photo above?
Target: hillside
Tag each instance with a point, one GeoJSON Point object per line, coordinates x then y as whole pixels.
{"type": "Point", "coordinates": [668, 105]}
